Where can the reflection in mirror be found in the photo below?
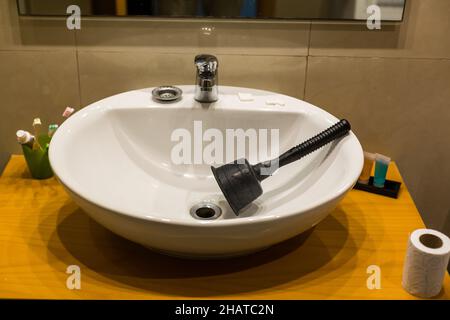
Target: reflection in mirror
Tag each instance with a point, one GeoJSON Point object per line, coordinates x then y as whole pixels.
{"type": "Point", "coordinates": [391, 10]}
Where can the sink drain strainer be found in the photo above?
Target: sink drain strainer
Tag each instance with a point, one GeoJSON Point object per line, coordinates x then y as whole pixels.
{"type": "Point", "coordinates": [206, 211]}
{"type": "Point", "coordinates": [166, 93]}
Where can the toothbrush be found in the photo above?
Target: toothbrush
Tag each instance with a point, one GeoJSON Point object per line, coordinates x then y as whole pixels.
{"type": "Point", "coordinates": [37, 124]}
{"type": "Point", "coordinates": [25, 138]}
{"type": "Point", "coordinates": [68, 112]}
{"type": "Point", "coordinates": [51, 129]}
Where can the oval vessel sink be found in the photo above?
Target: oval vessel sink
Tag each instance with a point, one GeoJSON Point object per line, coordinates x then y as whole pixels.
{"type": "Point", "coordinates": [120, 161]}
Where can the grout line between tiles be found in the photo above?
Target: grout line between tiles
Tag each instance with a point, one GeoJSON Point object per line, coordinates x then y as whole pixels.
{"type": "Point", "coordinates": [309, 38]}
{"type": "Point", "coordinates": [307, 61]}
{"type": "Point", "coordinates": [37, 50]}
{"type": "Point", "coordinates": [193, 52]}
{"type": "Point", "coordinates": [78, 69]}
{"type": "Point", "coordinates": [223, 54]}
{"type": "Point", "coordinates": [379, 57]}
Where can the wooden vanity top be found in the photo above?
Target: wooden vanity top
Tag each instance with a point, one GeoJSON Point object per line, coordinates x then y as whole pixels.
{"type": "Point", "coordinates": [42, 232]}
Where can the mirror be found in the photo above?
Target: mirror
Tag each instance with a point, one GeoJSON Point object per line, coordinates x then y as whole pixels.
{"type": "Point", "coordinates": [391, 10]}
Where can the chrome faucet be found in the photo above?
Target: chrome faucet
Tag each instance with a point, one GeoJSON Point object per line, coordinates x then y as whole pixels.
{"type": "Point", "coordinates": [206, 82]}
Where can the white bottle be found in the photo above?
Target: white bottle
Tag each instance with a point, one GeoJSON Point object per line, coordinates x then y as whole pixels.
{"type": "Point", "coordinates": [25, 138]}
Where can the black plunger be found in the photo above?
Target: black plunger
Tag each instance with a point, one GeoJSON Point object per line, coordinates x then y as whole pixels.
{"type": "Point", "coordinates": [240, 182]}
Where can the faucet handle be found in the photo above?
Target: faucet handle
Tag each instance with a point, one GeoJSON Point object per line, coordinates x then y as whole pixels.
{"type": "Point", "coordinates": [206, 63]}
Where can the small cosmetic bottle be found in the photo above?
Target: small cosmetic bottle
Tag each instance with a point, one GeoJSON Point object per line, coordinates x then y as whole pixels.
{"type": "Point", "coordinates": [381, 168]}
{"type": "Point", "coordinates": [369, 158]}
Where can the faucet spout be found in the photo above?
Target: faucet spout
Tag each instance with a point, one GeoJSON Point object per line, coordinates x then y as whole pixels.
{"type": "Point", "coordinates": [206, 82]}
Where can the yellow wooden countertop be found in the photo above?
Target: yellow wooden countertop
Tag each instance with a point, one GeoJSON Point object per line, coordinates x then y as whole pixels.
{"type": "Point", "coordinates": [42, 232]}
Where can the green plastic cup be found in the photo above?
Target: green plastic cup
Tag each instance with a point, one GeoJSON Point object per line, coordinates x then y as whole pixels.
{"type": "Point", "coordinates": [37, 160]}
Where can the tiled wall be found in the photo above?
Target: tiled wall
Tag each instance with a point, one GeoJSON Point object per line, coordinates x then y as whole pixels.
{"type": "Point", "coordinates": [393, 84]}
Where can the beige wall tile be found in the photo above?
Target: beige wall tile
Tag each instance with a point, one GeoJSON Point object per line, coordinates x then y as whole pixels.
{"type": "Point", "coordinates": [24, 33]}
{"type": "Point", "coordinates": [279, 74]}
{"type": "Point", "coordinates": [107, 73]}
{"type": "Point", "coordinates": [34, 84]}
{"type": "Point", "coordinates": [103, 74]}
{"type": "Point", "coordinates": [424, 33]}
{"type": "Point", "coordinates": [398, 107]}
{"type": "Point", "coordinates": [192, 36]}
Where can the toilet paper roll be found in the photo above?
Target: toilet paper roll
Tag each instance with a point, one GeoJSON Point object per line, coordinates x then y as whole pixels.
{"type": "Point", "coordinates": [426, 263]}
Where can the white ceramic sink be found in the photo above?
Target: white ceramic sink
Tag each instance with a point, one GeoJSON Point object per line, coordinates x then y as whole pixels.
{"type": "Point", "coordinates": [115, 159]}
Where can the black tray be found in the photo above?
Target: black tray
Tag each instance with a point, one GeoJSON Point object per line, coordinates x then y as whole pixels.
{"type": "Point", "coordinates": [391, 188]}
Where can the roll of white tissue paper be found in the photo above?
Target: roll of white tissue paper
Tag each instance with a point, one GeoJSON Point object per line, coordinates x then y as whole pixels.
{"type": "Point", "coordinates": [426, 263]}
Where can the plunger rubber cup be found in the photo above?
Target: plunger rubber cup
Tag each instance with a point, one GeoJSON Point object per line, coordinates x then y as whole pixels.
{"type": "Point", "coordinates": [240, 182]}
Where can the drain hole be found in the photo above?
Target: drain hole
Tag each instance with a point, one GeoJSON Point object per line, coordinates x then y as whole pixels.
{"type": "Point", "coordinates": [206, 211]}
